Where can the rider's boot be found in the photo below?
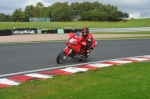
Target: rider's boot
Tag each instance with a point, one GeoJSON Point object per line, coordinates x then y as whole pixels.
{"type": "Point", "coordinates": [88, 52]}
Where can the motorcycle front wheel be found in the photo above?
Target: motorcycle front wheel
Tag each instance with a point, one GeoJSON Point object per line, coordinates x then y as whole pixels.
{"type": "Point", "coordinates": [61, 58]}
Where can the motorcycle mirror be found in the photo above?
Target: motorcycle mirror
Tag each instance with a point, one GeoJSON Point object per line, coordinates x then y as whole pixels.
{"type": "Point", "coordinates": [73, 29]}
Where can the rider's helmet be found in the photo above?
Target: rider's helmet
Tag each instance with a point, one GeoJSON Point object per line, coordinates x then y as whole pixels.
{"type": "Point", "coordinates": [85, 31]}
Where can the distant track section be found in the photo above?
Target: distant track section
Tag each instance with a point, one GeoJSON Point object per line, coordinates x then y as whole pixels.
{"type": "Point", "coordinates": [120, 29]}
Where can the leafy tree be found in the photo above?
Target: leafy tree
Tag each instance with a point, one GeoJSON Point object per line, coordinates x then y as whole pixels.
{"type": "Point", "coordinates": [103, 16]}
{"type": "Point", "coordinates": [102, 8]}
{"type": "Point", "coordinates": [109, 8]}
{"type": "Point", "coordinates": [112, 13]}
{"type": "Point", "coordinates": [55, 16]}
{"type": "Point", "coordinates": [96, 5]}
{"type": "Point", "coordinates": [86, 6]}
{"type": "Point", "coordinates": [76, 10]}
{"type": "Point", "coordinates": [120, 15]}
{"type": "Point", "coordinates": [40, 5]}
{"type": "Point", "coordinates": [29, 12]}
{"type": "Point", "coordinates": [113, 16]}
{"type": "Point", "coordinates": [5, 18]}
{"type": "Point", "coordinates": [18, 15]}
{"type": "Point", "coordinates": [45, 12]}
{"type": "Point", "coordinates": [37, 11]}
{"type": "Point", "coordinates": [8, 18]}
{"type": "Point", "coordinates": [84, 16]}
{"type": "Point", "coordinates": [61, 11]}
{"type": "Point", "coordinates": [126, 15]}
{"type": "Point", "coordinates": [94, 15]}
{"type": "Point", "coordinates": [2, 17]}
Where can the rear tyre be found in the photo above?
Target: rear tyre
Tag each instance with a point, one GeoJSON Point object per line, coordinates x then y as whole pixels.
{"type": "Point", "coordinates": [61, 58]}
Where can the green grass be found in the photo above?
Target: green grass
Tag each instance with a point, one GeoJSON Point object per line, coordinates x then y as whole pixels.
{"type": "Point", "coordinates": [53, 25]}
{"type": "Point", "coordinates": [129, 81]}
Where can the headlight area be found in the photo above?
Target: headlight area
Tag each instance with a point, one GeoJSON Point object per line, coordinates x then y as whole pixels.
{"type": "Point", "coordinates": [72, 41]}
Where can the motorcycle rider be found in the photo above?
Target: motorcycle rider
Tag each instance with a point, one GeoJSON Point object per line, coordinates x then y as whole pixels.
{"type": "Point", "coordinates": [88, 38]}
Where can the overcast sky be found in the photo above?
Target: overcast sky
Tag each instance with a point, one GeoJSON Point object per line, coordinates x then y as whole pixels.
{"type": "Point", "coordinates": [135, 8]}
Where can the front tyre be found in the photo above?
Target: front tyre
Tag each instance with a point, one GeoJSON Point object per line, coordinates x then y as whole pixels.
{"type": "Point", "coordinates": [61, 58]}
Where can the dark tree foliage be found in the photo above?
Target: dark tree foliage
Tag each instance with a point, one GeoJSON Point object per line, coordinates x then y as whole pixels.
{"type": "Point", "coordinates": [62, 12]}
{"type": "Point", "coordinates": [5, 18]}
{"type": "Point", "coordinates": [18, 15]}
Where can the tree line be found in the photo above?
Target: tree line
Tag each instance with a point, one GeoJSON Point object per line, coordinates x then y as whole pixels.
{"type": "Point", "coordinates": [62, 12]}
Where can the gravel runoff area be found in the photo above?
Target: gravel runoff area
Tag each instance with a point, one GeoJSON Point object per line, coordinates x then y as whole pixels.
{"type": "Point", "coordinates": [45, 37]}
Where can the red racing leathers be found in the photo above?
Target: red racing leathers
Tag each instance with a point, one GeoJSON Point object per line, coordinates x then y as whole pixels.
{"type": "Point", "coordinates": [91, 42]}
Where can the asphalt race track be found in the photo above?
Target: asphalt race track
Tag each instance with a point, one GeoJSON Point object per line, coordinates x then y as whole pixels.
{"type": "Point", "coordinates": [120, 29]}
{"type": "Point", "coordinates": [32, 56]}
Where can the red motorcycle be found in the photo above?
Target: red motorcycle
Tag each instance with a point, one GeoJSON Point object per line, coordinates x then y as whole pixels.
{"type": "Point", "coordinates": [75, 49]}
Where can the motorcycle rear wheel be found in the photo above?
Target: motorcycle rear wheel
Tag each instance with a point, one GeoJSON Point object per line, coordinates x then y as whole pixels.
{"type": "Point", "coordinates": [61, 58]}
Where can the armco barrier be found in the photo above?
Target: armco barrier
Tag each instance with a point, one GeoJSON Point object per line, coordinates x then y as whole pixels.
{"type": "Point", "coordinates": [34, 30]}
{"type": "Point", "coordinates": [51, 31]}
{"type": "Point", "coordinates": [71, 30]}
{"type": "Point", "coordinates": [44, 31]}
{"type": "Point", "coordinates": [5, 32]}
{"type": "Point", "coordinates": [60, 31]}
{"type": "Point", "coordinates": [78, 30]}
{"type": "Point", "coordinates": [68, 30]}
{"type": "Point", "coordinates": [24, 31]}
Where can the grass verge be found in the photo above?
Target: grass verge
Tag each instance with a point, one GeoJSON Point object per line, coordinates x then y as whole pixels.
{"type": "Point", "coordinates": [91, 24]}
{"type": "Point", "coordinates": [129, 81]}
